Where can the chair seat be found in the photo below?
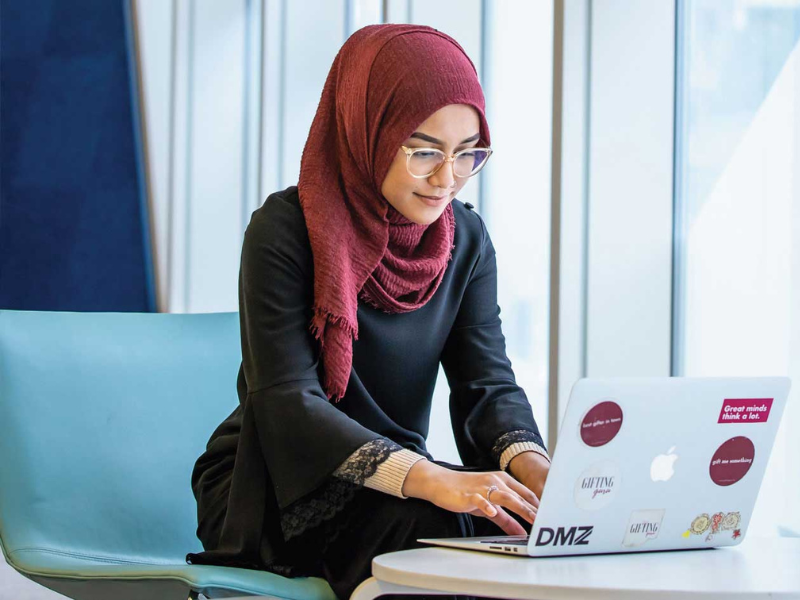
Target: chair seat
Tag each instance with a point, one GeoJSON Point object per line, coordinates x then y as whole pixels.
{"type": "Point", "coordinates": [56, 564]}
{"type": "Point", "coordinates": [102, 417]}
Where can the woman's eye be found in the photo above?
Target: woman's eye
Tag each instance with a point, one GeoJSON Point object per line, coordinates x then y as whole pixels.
{"type": "Point", "coordinates": [425, 154]}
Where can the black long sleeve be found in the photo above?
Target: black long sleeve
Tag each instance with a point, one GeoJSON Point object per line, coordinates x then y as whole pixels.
{"type": "Point", "coordinates": [486, 404]}
{"type": "Point", "coordinates": [303, 436]}
{"type": "Point", "coordinates": [268, 470]}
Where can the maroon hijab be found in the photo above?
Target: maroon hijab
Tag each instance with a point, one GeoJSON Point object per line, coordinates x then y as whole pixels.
{"type": "Point", "coordinates": [384, 82]}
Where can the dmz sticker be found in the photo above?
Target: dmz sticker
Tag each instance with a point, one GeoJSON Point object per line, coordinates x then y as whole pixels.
{"type": "Point", "coordinates": [562, 536]}
{"type": "Point", "coordinates": [597, 486]}
{"type": "Point", "coordinates": [643, 526]}
{"type": "Point", "coordinates": [745, 410]}
{"type": "Point", "coordinates": [715, 523]}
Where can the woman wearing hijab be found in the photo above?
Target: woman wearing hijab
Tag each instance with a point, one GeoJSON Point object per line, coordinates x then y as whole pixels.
{"type": "Point", "coordinates": [354, 286]}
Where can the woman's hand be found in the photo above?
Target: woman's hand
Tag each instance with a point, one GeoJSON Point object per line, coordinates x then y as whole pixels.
{"type": "Point", "coordinates": [460, 491]}
{"type": "Point", "coordinates": [531, 469]}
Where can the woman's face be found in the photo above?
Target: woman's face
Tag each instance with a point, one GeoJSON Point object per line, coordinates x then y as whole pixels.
{"type": "Point", "coordinates": [450, 129]}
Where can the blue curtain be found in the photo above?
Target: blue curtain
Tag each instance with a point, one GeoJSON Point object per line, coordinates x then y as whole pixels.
{"type": "Point", "coordinates": [74, 231]}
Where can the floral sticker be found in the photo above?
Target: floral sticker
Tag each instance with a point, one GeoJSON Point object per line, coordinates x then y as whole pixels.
{"type": "Point", "coordinates": [715, 523]}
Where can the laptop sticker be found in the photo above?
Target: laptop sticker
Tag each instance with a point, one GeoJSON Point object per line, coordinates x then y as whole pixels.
{"type": "Point", "coordinates": [565, 536]}
{"type": "Point", "coordinates": [745, 410]}
{"type": "Point", "coordinates": [732, 461]}
{"type": "Point", "coordinates": [715, 523]}
{"type": "Point", "coordinates": [601, 423]}
{"type": "Point", "coordinates": [643, 526]}
{"type": "Point", "coordinates": [597, 486]}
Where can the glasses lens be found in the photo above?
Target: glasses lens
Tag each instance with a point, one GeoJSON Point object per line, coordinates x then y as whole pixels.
{"type": "Point", "coordinates": [424, 162]}
{"type": "Point", "coordinates": [470, 162]}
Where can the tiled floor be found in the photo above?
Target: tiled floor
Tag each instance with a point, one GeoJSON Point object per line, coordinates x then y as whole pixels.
{"type": "Point", "coordinates": [14, 586]}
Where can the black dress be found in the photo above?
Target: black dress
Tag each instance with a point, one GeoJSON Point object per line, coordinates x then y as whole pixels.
{"type": "Point", "coordinates": [264, 485]}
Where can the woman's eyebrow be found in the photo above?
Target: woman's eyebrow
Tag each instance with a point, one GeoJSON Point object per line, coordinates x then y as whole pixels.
{"type": "Point", "coordinates": [433, 140]}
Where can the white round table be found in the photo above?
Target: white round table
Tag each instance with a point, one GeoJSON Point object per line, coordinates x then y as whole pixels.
{"type": "Point", "coordinates": [757, 568]}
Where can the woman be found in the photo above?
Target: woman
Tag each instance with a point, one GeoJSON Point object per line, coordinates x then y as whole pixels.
{"type": "Point", "coordinates": [354, 285]}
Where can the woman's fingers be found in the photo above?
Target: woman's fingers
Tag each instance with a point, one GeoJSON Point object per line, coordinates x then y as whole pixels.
{"type": "Point", "coordinates": [522, 490]}
{"type": "Point", "coordinates": [507, 523]}
{"type": "Point", "coordinates": [508, 494]}
{"type": "Point", "coordinates": [503, 520]}
{"type": "Point", "coordinates": [485, 506]}
{"type": "Point", "coordinates": [512, 501]}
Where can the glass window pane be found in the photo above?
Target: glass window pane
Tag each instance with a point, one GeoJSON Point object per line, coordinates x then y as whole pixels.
{"type": "Point", "coordinates": [517, 194]}
{"type": "Point", "coordinates": [738, 212]}
{"type": "Point", "coordinates": [517, 64]}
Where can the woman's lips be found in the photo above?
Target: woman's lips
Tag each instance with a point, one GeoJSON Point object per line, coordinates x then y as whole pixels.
{"type": "Point", "coordinates": [433, 200]}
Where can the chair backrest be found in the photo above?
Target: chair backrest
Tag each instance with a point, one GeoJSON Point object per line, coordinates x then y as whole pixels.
{"type": "Point", "coordinates": [102, 416]}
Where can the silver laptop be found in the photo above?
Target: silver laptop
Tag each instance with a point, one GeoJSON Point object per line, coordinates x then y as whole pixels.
{"type": "Point", "coordinates": [648, 464]}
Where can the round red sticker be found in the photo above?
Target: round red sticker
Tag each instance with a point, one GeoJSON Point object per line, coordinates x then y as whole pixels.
{"type": "Point", "coordinates": [732, 461]}
{"type": "Point", "coordinates": [601, 423]}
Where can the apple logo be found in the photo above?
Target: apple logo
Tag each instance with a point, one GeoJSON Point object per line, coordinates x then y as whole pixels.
{"type": "Point", "coordinates": [662, 467]}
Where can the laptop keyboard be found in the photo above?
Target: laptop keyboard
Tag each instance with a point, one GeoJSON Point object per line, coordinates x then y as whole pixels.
{"type": "Point", "coordinates": [511, 541]}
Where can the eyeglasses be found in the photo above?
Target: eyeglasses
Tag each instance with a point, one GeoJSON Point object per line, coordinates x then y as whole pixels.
{"type": "Point", "coordinates": [424, 162]}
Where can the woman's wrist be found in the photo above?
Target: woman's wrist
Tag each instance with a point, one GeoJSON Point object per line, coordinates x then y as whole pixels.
{"type": "Point", "coordinates": [526, 461]}
{"type": "Point", "coordinates": [419, 479]}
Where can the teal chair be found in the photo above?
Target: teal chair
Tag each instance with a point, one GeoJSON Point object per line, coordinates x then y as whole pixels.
{"type": "Point", "coordinates": [102, 416]}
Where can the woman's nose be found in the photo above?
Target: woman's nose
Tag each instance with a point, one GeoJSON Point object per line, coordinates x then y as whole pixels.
{"type": "Point", "coordinates": [444, 177]}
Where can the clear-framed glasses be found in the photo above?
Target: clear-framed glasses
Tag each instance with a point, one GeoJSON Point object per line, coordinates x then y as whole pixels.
{"type": "Point", "coordinates": [424, 162]}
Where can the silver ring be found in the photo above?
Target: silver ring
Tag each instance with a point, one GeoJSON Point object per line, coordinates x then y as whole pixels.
{"type": "Point", "coordinates": [491, 489]}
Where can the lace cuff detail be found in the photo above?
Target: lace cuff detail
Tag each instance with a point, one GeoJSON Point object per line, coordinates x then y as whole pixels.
{"type": "Point", "coordinates": [331, 497]}
{"type": "Point", "coordinates": [363, 463]}
{"type": "Point", "coordinates": [517, 436]}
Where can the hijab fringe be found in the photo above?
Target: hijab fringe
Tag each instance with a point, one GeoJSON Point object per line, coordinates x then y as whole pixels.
{"type": "Point", "coordinates": [320, 320]}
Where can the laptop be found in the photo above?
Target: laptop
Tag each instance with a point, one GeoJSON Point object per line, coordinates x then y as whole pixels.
{"type": "Point", "coordinates": [647, 464]}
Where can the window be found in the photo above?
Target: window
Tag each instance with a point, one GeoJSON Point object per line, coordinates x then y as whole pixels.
{"type": "Point", "coordinates": [514, 62]}
{"type": "Point", "coordinates": [737, 232]}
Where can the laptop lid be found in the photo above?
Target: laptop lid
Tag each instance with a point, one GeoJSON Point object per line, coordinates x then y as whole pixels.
{"type": "Point", "coordinates": [658, 464]}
